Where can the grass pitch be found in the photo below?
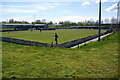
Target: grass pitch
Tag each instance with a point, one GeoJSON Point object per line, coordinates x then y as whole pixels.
{"type": "Point", "coordinates": [95, 60]}
{"type": "Point", "coordinates": [48, 36]}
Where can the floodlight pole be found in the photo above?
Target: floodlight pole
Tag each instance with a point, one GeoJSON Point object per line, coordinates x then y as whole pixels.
{"type": "Point", "coordinates": [118, 14]}
{"type": "Point", "coordinates": [99, 21]}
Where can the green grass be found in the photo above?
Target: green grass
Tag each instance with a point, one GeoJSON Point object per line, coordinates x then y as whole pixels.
{"type": "Point", "coordinates": [95, 60]}
{"type": "Point", "coordinates": [48, 36]}
{"type": "Point", "coordinates": [7, 29]}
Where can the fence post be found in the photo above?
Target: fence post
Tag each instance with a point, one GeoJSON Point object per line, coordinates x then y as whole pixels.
{"type": "Point", "coordinates": [78, 45]}
{"type": "Point", "coordinates": [51, 44]}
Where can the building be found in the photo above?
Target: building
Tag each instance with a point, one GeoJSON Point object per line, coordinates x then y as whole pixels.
{"type": "Point", "coordinates": [84, 27]}
{"type": "Point", "coordinates": [55, 25]}
{"type": "Point", "coordinates": [40, 26]}
{"type": "Point", "coordinates": [24, 26]}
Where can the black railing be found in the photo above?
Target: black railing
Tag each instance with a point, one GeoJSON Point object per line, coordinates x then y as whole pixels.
{"type": "Point", "coordinates": [63, 45]}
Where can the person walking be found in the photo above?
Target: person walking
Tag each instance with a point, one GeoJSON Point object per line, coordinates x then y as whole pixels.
{"type": "Point", "coordinates": [56, 38]}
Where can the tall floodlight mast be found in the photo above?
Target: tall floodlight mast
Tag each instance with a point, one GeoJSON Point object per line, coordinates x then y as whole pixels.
{"type": "Point", "coordinates": [118, 14]}
{"type": "Point", "coordinates": [99, 21]}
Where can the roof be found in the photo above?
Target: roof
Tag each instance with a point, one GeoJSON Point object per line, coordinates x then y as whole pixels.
{"type": "Point", "coordinates": [24, 24]}
{"type": "Point", "coordinates": [84, 26]}
{"type": "Point", "coordinates": [15, 24]}
{"type": "Point", "coordinates": [40, 24]}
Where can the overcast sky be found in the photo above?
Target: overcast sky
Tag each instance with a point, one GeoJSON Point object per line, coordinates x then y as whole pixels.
{"type": "Point", "coordinates": [75, 11]}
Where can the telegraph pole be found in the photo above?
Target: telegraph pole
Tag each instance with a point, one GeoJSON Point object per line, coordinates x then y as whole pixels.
{"type": "Point", "coordinates": [99, 21]}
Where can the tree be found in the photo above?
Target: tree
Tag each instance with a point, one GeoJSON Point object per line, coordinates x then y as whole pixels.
{"type": "Point", "coordinates": [38, 22]}
{"type": "Point", "coordinates": [3, 22]}
{"type": "Point", "coordinates": [50, 22]}
{"type": "Point", "coordinates": [11, 21]}
{"type": "Point", "coordinates": [73, 24]}
{"type": "Point", "coordinates": [85, 23]}
{"type": "Point", "coordinates": [25, 22]}
{"type": "Point", "coordinates": [113, 20]}
{"type": "Point", "coordinates": [80, 24]}
{"type": "Point", "coordinates": [106, 20]}
{"type": "Point", "coordinates": [18, 22]}
{"type": "Point", "coordinates": [44, 20]}
{"type": "Point", "coordinates": [91, 21]}
{"type": "Point", "coordinates": [61, 22]}
{"type": "Point", "coordinates": [66, 23]}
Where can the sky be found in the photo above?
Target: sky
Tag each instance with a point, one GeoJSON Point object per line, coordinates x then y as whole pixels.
{"type": "Point", "coordinates": [63, 10]}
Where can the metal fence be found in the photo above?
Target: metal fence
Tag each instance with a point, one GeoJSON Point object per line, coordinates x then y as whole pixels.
{"type": "Point", "coordinates": [78, 41]}
{"type": "Point", "coordinates": [63, 45]}
{"type": "Point", "coordinates": [24, 42]}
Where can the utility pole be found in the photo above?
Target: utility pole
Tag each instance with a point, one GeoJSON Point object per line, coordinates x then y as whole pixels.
{"type": "Point", "coordinates": [99, 21]}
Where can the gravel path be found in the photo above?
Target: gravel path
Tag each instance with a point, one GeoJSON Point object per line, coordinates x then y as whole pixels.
{"type": "Point", "coordinates": [91, 40]}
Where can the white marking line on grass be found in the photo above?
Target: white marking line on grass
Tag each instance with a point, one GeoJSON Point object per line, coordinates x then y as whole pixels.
{"type": "Point", "coordinates": [91, 40]}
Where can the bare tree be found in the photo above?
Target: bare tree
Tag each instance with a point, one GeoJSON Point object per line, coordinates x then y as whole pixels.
{"type": "Point", "coordinates": [113, 20]}
{"type": "Point", "coordinates": [44, 20]}
{"type": "Point", "coordinates": [11, 21]}
{"type": "Point", "coordinates": [106, 20]}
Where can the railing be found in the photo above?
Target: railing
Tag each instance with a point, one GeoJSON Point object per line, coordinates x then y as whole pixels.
{"type": "Point", "coordinates": [63, 45]}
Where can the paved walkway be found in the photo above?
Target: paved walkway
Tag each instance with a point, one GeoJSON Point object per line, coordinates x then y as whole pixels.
{"type": "Point", "coordinates": [91, 40]}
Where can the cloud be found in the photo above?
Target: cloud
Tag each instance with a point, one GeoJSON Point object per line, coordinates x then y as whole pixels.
{"type": "Point", "coordinates": [86, 3]}
{"type": "Point", "coordinates": [46, 6]}
{"type": "Point", "coordinates": [72, 18]}
{"type": "Point", "coordinates": [18, 11]}
{"type": "Point", "coordinates": [28, 18]}
{"type": "Point", "coordinates": [112, 8]}
{"type": "Point", "coordinates": [29, 8]}
{"type": "Point", "coordinates": [54, 0]}
{"type": "Point", "coordinates": [97, 1]}
{"type": "Point", "coordinates": [65, 11]}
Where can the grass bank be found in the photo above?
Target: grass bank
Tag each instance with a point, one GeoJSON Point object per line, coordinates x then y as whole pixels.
{"type": "Point", "coordinates": [95, 60]}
